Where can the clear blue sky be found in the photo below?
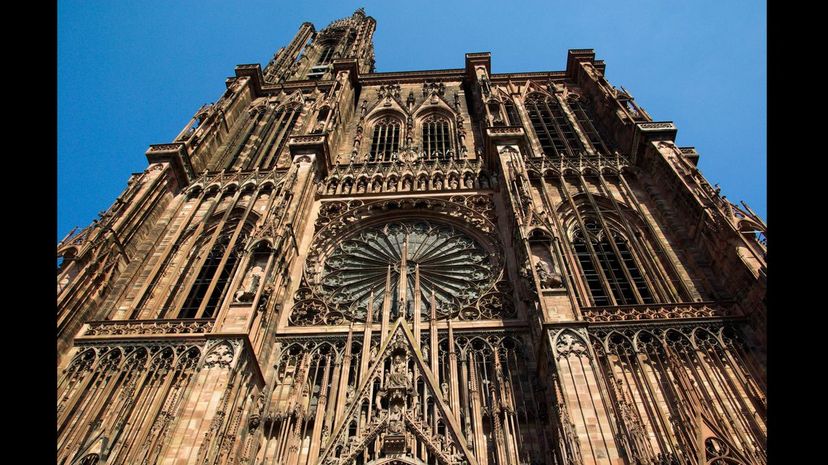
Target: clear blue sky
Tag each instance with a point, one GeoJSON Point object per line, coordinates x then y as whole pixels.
{"type": "Point", "coordinates": [132, 74]}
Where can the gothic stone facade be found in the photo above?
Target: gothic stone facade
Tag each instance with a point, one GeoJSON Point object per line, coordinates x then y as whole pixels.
{"type": "Point", "coordinates": [335, 266]}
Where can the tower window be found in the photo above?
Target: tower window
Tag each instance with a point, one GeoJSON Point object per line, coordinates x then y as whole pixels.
{"type": "Point", "coordinates": [555, 133]}
{"type": "Point", "coordinates": [326, 55]}
{"type": "Point", "coordinates": [210, 272]}
{"type": "Point", "coordinates": [494, 110]}
{"type": "Point", "coordinates": [588, 125]}
{"type": "Point", "coordinates": [512, 114]}
{"type": "Point", "coordinates": [274, 137]}
{"type": "Point", "coordinates": [611, 264]}
{"type": "Point", "coordinates": [386, 139]}
{"type": "Point", "coordinates": [437, 137]}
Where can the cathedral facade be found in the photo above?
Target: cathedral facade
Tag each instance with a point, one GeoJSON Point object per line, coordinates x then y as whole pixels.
{"type": "Point", "coordinates": [332, 266]}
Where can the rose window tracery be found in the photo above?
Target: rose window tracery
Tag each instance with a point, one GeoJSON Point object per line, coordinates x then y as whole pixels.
{"type": "Point", "coordinates": [444, 265]}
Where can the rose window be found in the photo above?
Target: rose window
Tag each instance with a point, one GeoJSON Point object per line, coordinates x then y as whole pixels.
{"type": "Point", "coordinates": [438, 264]}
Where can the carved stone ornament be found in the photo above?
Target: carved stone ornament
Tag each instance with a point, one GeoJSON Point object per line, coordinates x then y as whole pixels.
{"type": "Point", "coordinates": [221, 355]}
{"type": "Point", "coordinates": [568, 343]}
{"type": "Point", "coordinates": [343, 283]}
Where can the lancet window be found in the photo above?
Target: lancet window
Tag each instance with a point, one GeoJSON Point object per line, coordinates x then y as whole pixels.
{"type": "Point", "coordinates": [555, 132]}
{"type": "Point", "coordinates": [511, 113]}
{"type": "Point", "coordinates": [274, 136]}
{"type": "Point", "coordinates": [386, 139]}
{"type": "Point", "coordinates": [216, 270]}
{"type": "Point", "coordinates": [608, 265]}
{"type": "Point", "coordinates": [326, 55]}
{"type": "Point", "coordinates": [437, 140]}
{"type": "Point", "coordinates": [587, 124]}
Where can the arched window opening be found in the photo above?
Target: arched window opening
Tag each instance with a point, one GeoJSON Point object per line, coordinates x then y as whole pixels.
{"type": "Point", "coordinates": [554, 130]}
{"type": "Point", "coordinates": [512, 114]}
{"type": "Point", "coordinates": [494, 110]}
{"type": "Point", "coordinates": [274, 138]}
{"type": "Point", "coordinates": [321, 119]}
{"type": "Point", "coordinates": [588, 125]}
{"type": "Point", "coordinates": [386, 139]}
{"type": "Point", "coordinates": [326, 56]}
{"type": "Point", "coordinates": [437, 140]}
{"type": "Point", "coordinates": [209, 273]}
{"type": "Point", "coordinates": [612, 264]}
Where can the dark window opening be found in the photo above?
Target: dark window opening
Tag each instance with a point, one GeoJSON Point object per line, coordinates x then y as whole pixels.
{"type": "Point", "coordinates": [589, 126]}
{"type": "Point", "coordinates": [612, 265]}
{"type": "Point", "coordinates": [512, 114]}
{"type": "Point", "coordinates": [326, 56]}
{"type": "Point", "coordinates": [206, 275]}
{"type": "Point", "coordinates": [437, 139]}
{"type": "Point", "coordinates": [555, 133]}
{"type": "Point", "coordinates": [386, 140]}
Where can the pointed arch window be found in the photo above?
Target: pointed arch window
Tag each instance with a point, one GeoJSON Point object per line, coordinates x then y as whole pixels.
{"type": "Point", "coordinates": [588, 124]}
{"type": "Point", "coordinates": [211, 271]}
{"type": "Point", "coordinates": [326, 55]}
{"type": "Point", "coordinates": [386, 139]}
{"type": "Point", "coordinates": [554, 130]}
{"type": "Point", "coordinates": [274, 136]}
{"type": "Point", "coordinates": [494, 111]}
{"type": "Point", "coordinates": [620, 270]}
{"type": "Point", "coordinates": [437, 140]}
{"type": "Point", "coordinates": [511, 113]}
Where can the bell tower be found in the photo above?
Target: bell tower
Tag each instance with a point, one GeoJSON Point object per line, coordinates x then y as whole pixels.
{"type": "Point", "coordinates": [311, 54]}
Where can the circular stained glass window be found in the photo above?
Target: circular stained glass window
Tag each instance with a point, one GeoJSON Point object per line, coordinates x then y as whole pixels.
{"type": "Point", "coordinates": [441, 264]}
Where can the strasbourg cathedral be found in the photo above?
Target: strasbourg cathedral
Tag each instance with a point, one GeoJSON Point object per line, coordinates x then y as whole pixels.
{"type": "Point", "coordinates": [335, 266]}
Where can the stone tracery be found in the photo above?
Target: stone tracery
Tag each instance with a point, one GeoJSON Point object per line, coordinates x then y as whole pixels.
{"type": "Point", "coordinates": [408, 263]}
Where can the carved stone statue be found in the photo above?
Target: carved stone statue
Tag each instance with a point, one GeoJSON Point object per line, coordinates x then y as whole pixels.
{"type": "Point", "coordinates": [406, 184]}
{"type": "Point", "coordinates": [378, 401]}
{"type": "Point", "coordinates": [548, 278]}
{"type": "Point", "coordinates": [395, 424]}
{"type": "Point", "coordinates": [349, 395]}
{"type": "Point", "coordinates": [398, 377]}
{"type": "Point", "coordinates": [453, 183]}
{"type": "Point", "coordinates": [444, 388]}
{"type": "Point", "coordinates": [250, 285]}
{"type": "Point", "coordinates": [438, 183]}
{"type": "Point", "coordinates": [325, 434]}
{"type": "Point", "coordinates": [360, 187]}
{"type": "Point", "coordinates": [469, 182]}
{"type": "Point", "coordinates": [396, 412]}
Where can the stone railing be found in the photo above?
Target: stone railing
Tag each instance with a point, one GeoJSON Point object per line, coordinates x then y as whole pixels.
{"type": "Point", "coordinates": [150, 327]}
{"type": "Point", "coordinates": [505, 131]}
{"type": "Point", "coordinates": [308, 139]}
{"type": "Point", "coordinates": [547, 164]}
{"type": "Point", "coordinates": [655, 311]}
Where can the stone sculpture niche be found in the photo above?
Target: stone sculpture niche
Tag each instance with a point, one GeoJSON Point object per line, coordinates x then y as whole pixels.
{"type": "Point", "coordinates": [254, 275]}
{"type": "Point", "coordinates": [543, 261]}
